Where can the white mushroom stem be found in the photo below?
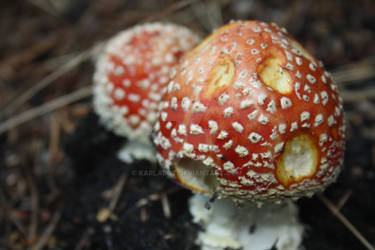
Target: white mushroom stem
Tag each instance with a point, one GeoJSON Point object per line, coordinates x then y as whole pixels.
{"type": "Point", "coordinates": [226, 225]}
{"type": "Point", "coordinates": [136, 150]}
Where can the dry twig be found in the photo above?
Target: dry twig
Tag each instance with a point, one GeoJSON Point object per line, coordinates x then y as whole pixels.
{"type": "Point", "coordinates": [44, 6]}
{"type": "Point", "coordinates": [6, 210]}
{"type": "Point", "coordinates": [34, 221]}
{"type": "Point", "coordinates": [354, 72]}
{"type": "Point", "coordinates": [117, 192]}
{"type": "Point", "coordinates": [106, 212]}
{"type": "Point", "coordinates": [343, 199]}
{"type": "Point", "coordinates": [143, 214]}
{"type": "Point", "coordinates": [345, 221]}
{"type": "Point", "coordinates": [28, 94]}
{"type": "Point", "coordinates": [172, 8]}
{"type": "Point", "coordinates": [54, 139]}
{"type": "Point", "coordinates": [48, 232]}
{"type": "Point", "coordinates": [45, 108]}
{"type": "Point", "coordinates": [26, 56]}
{"type": "Point", "coordinates": [83, 241]}
{"type": "Point", "coordinates": [358, 95]}
{"type": "Point", "coordinates": [209, 14]}
{"type": "Point", "coordinates": [165, 205]}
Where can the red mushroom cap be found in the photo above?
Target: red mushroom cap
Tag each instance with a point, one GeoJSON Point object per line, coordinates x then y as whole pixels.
{"type": "Point", "coordinates": [251, 114]}
{"type": "Point", "coordinates": [131, 73]}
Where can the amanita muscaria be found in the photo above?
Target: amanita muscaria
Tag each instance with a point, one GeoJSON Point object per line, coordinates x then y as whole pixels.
{"type": "Point", "coordinates": [250, 115]}
{"type": "Point", "coordinates": [131, 73]}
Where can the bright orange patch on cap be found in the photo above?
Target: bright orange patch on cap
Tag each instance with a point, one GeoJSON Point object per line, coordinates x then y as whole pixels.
{"type": "Point", "coordinates": [298, 161]}
{"type": "Point", "coordinates": [222, 76]}
{"type": "Point", "coordinates": [274, 75]}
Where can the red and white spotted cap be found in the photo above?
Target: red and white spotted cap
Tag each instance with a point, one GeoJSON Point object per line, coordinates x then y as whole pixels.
{"type": "Point", "coordinates": [131, 73]}
{"type": "Point", "coordinates": [251, 114]}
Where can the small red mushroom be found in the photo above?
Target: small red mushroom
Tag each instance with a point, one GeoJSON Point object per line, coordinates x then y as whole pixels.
{"type": "Point", "coordinates": [250, 114]}
{"type": "Point", "coordinates": [131, 72]}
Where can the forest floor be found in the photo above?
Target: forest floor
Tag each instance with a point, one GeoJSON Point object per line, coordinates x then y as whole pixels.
{"type": "Point", "coordinates": [61, 185]}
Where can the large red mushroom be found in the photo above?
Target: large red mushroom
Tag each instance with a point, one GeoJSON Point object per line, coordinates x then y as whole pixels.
{"type": "Point", "coordinates": [257, 111]}
{"type": "Point", "coordinates": [251, 115]}
{"type": "Point", "coordinates": [130, 74]}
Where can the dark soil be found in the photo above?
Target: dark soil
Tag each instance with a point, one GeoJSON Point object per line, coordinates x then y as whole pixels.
{"type": "Point", "coordinates": [58, 172]}
{"type": "Point", "coordinates": [99, 170]}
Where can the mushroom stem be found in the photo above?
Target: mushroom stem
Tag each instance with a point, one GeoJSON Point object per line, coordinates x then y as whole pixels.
{"type": "Point", "coordinates": [137, 150]}
{"type": "Point", "coordinates": [226, 225]}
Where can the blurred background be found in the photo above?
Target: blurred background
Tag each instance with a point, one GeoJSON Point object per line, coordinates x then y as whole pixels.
{"type": "Point", "coordinates": [58, 169]}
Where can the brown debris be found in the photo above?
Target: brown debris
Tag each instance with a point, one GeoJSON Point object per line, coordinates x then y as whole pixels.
{"type": "Point", "coordinates": [45, 88]}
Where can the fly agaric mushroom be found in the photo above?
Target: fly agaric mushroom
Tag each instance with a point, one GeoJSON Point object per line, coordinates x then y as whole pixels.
{"type": "Point", "coordinates": [251, 115]}
{"type": "Point", "coordinates": [130, 75]}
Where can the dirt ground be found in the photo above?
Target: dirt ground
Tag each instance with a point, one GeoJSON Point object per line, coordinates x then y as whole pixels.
{"type": "Point", "coordinates": [61, 185]}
